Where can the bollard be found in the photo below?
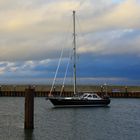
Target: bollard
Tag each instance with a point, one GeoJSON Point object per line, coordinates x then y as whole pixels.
{"type": "Point", "coordinates": [29, 108]}
{"type": "Point", "coordinates": [125, 89]}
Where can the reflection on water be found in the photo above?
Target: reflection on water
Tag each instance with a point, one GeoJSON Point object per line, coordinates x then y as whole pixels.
{"type": "Point", "coordinates": [119, 121]}
{"type": "Point", "coordinates": [29, 134]}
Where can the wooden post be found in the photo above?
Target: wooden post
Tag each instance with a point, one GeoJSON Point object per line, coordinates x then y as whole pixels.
{"type": "Point", "coordinates": [29, 108]}
{"type": "Point", "coordinates": [0, 90]}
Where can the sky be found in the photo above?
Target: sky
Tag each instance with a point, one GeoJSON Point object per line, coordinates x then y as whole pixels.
{"type": "Point", "coordinates": [34, 32]}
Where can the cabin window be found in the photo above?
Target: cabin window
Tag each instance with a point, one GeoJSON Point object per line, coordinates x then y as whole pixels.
{"type": "Point", "coordinates": [89, 96]}
{"type": "Point", "coordinates": [85, 96]}
{"type": "Point", "coordinates": [94, 96]}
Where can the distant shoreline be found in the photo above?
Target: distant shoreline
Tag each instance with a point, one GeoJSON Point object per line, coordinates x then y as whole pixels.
{"type": "Point", "coordinates": [43, 87]}
{"type": "Point", "coordinates": [44, 90]}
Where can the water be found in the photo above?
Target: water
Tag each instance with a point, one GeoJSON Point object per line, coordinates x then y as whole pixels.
{"type": "Point", "coordinates": [119, 121]}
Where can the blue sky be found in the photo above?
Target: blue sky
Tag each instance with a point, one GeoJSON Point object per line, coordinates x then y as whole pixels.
{"type": "Point", "coordinates": [32, 34]}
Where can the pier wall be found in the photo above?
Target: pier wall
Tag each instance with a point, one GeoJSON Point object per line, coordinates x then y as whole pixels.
{"type": "Point", "coordinates": [43, 91]}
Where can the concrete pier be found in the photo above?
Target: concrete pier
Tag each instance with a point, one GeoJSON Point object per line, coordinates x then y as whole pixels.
{"type": "Point", "coordinates": [29, 108]}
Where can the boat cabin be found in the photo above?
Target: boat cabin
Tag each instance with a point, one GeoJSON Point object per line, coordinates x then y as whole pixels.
{"type": "Point", "coordinates": [90, 96]}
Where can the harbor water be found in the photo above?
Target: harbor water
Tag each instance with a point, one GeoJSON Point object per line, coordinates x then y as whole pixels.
{"type": "Point", "coordinates": [121, 120]}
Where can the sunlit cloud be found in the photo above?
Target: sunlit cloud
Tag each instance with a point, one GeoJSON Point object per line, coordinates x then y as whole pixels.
{"type": "Point", "coordinates": [38, 27]}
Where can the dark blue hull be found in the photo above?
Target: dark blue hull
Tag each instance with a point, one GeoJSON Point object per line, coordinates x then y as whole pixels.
{"type": "Point", "coordinates": [67, 102]}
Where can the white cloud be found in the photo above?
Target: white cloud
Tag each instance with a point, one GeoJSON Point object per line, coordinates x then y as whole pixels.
{"type": "Point", "coordinates": [34, 30]}
{"type": "Point", "coordinates": [2, 70]}
{"type": "Point", "coordinates": [114, 42]}
{"type": "Point", "coordinates": [123, 15]}
{"type": "Point", "coordinates": [26, 68]}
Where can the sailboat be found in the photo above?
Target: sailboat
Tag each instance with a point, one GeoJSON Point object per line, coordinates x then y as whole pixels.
{"type": "Point", "coordinates": [85, 99]}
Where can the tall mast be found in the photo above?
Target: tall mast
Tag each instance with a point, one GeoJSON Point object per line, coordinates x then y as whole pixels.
{"type": "Point", "coordinates": [74, 51]}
